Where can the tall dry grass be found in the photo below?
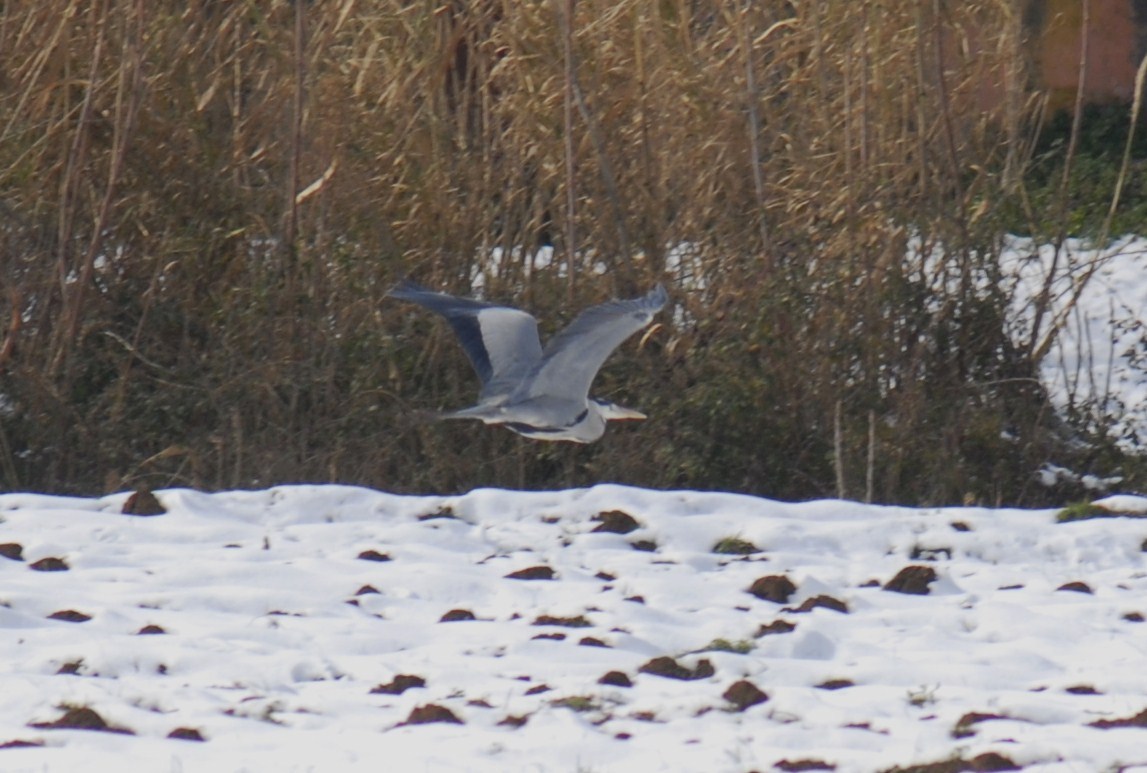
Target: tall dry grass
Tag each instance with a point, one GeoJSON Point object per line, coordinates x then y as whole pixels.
{"type": "Point", "coordinates": [202, 206]}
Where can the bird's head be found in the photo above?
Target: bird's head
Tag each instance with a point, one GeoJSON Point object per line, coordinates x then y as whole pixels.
{"type": "Point", "coordinates": [614, 412]}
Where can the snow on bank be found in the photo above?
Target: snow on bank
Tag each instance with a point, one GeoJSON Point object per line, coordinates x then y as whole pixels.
{"type": "Point", "coordinates": [1100, 354]}
{"type": "Point", "coordinates": [317, 627]}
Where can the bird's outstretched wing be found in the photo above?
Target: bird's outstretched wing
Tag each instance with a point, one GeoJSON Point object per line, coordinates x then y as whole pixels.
{"type": "Point", "coordinates": [573, 357]}
{"type": "Point", "coordinates": [501, 342]}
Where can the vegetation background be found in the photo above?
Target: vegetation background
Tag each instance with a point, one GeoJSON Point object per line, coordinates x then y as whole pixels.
{"type": "Point", "coordinates": [203, 204]}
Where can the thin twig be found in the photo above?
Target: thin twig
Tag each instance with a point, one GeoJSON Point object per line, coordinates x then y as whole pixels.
{"type": "Point", "coordinates": [568, 146]}
{"type": "Point", "coordinates": [838, 451]}
{"type": "Point", "coordinates": [1037, 351]}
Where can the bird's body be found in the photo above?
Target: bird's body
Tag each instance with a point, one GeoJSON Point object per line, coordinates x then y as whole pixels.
{"type": "Point", "coordinates": [539, 393]}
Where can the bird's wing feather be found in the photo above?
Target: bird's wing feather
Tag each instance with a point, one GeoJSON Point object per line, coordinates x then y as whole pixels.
{"type": "Point", "coordinates": [501, 342]}
{"type": "Point", "coordinates": [573, 357]}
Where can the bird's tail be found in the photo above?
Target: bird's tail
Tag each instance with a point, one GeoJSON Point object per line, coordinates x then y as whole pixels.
{"type": "Point", "coordinates": [490, 414]}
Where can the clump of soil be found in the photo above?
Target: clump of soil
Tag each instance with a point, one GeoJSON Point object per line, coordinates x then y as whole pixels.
{"type": "Point", "coordinates": [150, 630]}
{"type": "Point", "coordinates": [744, 694]}
{"type": "Point", "coordinates": [373, 555]}
{"type": "Point", "coordinates": [144, 503]}
{"type": "Point", "coordinates": [616, 679]}
{"type": "Point", "coordinates": [19, 744]}
{"type": "Point", "coordinates": [828, 602]}
{"type": "Point", "coordinates": [567, 622]}
{"type": "Point", "coordinates": [1082, 689]}
{"type": "Point", "coordinates": [81, 718]}
{"type": "Point", "coordinates": [965, 725]}
{"type": "Point", "coordinates": [13, 551]}
{"type": "Point", "coordinates": [669, 668]}
{"type": "Point", "coordinates": [735, 546]}
{"type": "Point", "coordinates": [615, 522]}
{"type": "Point", "coordinates": [186, 734]}
{"type": "Point", "coordinates": [457, 616]}
{"type": "Point", "coordinates": [836, 684]}
{"type": "Point", "coordinates": [1076, 587]}
{"type": "Point", "coordinates": [775, 588]}
{"type": "Point", "coordinates": [432, 712]}
{"type": "Point", "coordinates": [70, 616]}
{"type": "Point", "coordinates": [775, 627]}
{"type": "Point", "coordinates": [50, 564]}
{"type": "Point", "coordinates": [801, 765]}
{"type": "Point", "coordinates": [440, 513]}
{"type": "Point", "coordinates": [912, 580]}
{"type": "Point", "coordinates": [532, 573]}
{"type": "Point", "coordinates": [981, 763]}
{"type": "Point", "coordinates": [399, 685]}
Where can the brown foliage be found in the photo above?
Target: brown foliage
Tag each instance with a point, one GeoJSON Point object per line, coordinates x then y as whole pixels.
{"type": "Point", "coordinates": [204, 204]}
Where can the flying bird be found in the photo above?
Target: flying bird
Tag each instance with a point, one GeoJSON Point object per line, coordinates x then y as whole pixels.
{"type": "Point", "coordinates": [541, 393]}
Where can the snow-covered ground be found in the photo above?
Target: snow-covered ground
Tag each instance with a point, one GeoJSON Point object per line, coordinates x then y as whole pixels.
{"type": "Point", "coordinates": [318, 627]}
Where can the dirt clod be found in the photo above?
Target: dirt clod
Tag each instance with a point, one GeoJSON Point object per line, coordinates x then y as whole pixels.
{"type": "Point", "coordinates": [793, 766]}
{"type": "Point", "coordinates": [399, 685]}
{"type": "Point", "coordinates": [744, 694]}
{"type": "Point", "coordinates": [532, 573]}
{"type": "Point", "coordinates": [1076, 587]}
{"type": "Point", "coordinates": [775, 627]}
{"type": "Point", "coordinates": [186, 734]}
{"type": "Point", "coordinates": [615, 522]}
{"type": "Point", "coordinates": [457, 616]}
{"type": "Point", "coordinates": [1082, 689]}
{"type": "Point", "coordinates": [13, 551]}
{"type": "Point", "coordinates": [827, 602]}
{"type": "Point", "coordinates": [144, 503]}
{"type": "Point", "coordinates": [81, 718]}
{"type": "Point", "coordinates": [912, 580]}
{"type": "Point", "coordinates": [50, 564]}
{"type": "Point", "coordinates": [150, 630]}
{"type": "Point", "coordinates": [579, 621]}
{"type": "Point", "coordinates": [373, 555]}
{"type": "Point", "coordinates": [70, 616]}
{"type": "Point", "coordinates": [775, 588]}
{"type": "Point", "coordinates": [616, 679]}
{"type": "Point", "coordinates": [965, 725]}
{"type": "Point", "coordinates": [981, 763]}
{"type": "Point", "coordinates": [669, 668]}
{"type": "Point", "coordinates": [432, 712]}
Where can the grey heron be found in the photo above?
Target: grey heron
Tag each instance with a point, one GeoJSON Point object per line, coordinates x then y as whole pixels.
{"type": "Point", "coordinates": [539, 393]}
